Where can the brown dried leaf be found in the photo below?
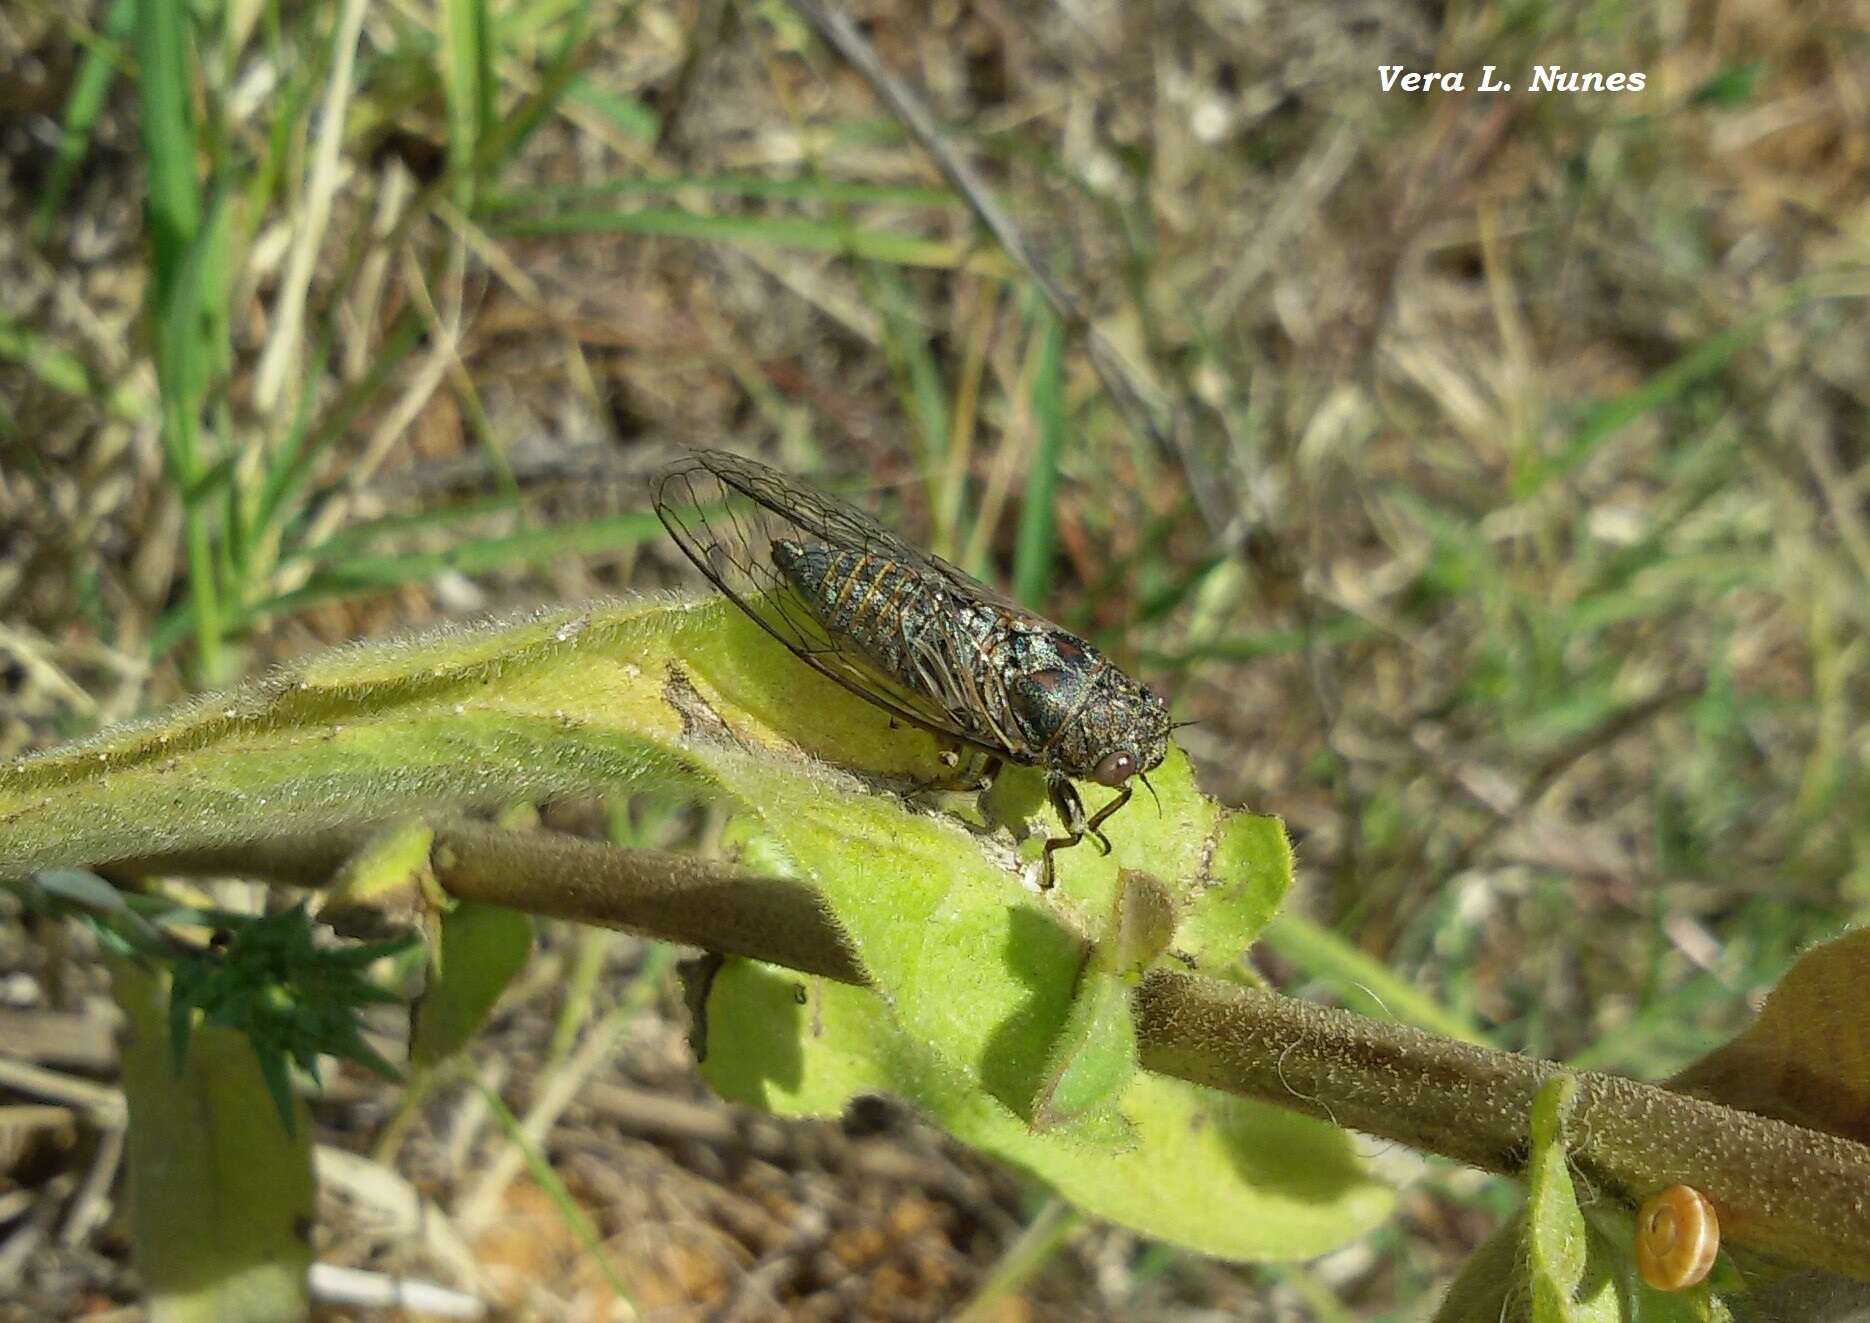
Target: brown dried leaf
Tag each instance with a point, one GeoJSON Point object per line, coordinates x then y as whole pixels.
{"type": "Point", "coordinates": [1806, 1059]}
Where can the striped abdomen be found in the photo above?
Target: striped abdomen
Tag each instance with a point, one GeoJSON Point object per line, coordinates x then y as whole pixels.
{"type": "Point", "coordinates": [881, 606]}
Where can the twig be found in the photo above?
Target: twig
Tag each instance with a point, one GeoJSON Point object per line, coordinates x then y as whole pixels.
{"type": "Point", "coordinates": [25, 1242]}
{"type": "Point", "coordinates": [675, 897]}
{"type": "Point", "coordinates": [83, 1039]}
{"type": "Point", "coordinates": [338, 1285]}
{"type": "Point", "coordinates": [104, 1104]}
{"type": "Point", "coordinates": [384, 1204]}
{"type": "Point", "coordinates": [1768, 1178]}
{"type": "Point", "coordinates": [713, 21]}
{"type": "Point", "coordinates": [92, 1206]}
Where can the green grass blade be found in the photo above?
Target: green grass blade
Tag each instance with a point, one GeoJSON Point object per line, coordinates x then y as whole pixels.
{"type": "Point", "coordinates": [182, 370]}
{"type": "Point", "coordinates": [355, 539]}
{"type": "Point", "coordinates": [366, 575]}
{"type": "Point", "coordinates": [906, 342]}
{"type": "Point", "coordinates": [88, 92]}
{"type": "Point", "coordinates": [1362, 983]}
{"type": "Point", "coordinates": [764, 232]}
{"type": "Point", "coordinates": [1038, 1244]}
{"type": "Point", "coordinates": [468, 87]}
{"type": "Point", "coordinates": [66, 373]}
{"type": "Point", "coordinates": [1032, 553]}
{"type": "Point", "coordinates": [574, 1218]}
{"type": "Point", "coordinates": [178, 241]}
{"type": "Point", "coordinates": [533, 546]}
{"type": "Point", "coordinates": [293, 470]}
{"type": "Point", "coordinates": [173, 207]}
{"type": "Point", "coordinates": [510, 133]}
{"type": "Point", "coordinates": [627, 115]}
{"type": "Point", "coordinates": [1671, 383]}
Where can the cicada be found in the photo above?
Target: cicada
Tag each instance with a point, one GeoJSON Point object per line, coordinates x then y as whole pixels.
{"type": "Point", "coordinates": [915, 636]}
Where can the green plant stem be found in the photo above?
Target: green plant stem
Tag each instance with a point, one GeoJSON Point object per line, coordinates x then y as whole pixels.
{"type": "Point", "coordinates": [1025, 1259]}
{"type": "Point", "coordinates": [1781, 1189]}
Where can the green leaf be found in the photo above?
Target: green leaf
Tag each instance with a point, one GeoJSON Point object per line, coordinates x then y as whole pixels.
{"type": "Point", "coordinates": [1491, 1287]}
{"type": "Point", "coordinates": [480, 950]}
{"type": "Point", "coordinates": [563, 703]}
{"type": "Point", "coordinates": [1092, 1059]}
{"type": "Point", "coordinates": [221, 1197]}
{"type": "Point", "coordinates": [1246, 869]}
{"type": "Point", "coordinates": [1555, 1241]}
{"type": "Point", "coordinates": [1094, 1054]}
{"type": "Point", "coordinates": [1211, 1172]}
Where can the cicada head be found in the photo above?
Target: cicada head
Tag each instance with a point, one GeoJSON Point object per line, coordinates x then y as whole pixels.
{"type": "Point", "coordinates": [1120, 731]}
{"type": "Point", "coordinates": [1137, 730]}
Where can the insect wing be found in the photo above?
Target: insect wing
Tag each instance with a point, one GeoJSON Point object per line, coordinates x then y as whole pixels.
{"type": "Point", "coordinates": [726, 512]}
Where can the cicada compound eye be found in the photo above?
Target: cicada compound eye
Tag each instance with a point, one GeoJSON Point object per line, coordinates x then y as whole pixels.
{"type": "Point", "coordinates": [1114, 768]}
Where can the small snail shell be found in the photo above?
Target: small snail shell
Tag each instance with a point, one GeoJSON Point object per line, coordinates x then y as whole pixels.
{"type": "Point", "coordinates": [1677, 1237]}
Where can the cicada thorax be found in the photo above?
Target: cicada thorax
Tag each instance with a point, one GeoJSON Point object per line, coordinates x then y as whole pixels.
{"type": "Point", "coordinates": [1052, 680]}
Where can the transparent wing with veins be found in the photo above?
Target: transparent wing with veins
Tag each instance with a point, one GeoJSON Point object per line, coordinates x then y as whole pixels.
{"type": "Point", "coordinates": [726, 513]}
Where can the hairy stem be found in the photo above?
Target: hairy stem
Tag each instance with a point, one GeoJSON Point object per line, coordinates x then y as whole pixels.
{"type": "Point", "coordinates": [1779, 1188]}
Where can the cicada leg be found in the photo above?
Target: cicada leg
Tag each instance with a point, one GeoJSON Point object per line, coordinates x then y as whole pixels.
{"type": "Point", "coordinates": [1097, 819]}
{"type": "Point", "coordinates": [1071, 811]}
{"type": "Point", "coordinates": [966, 771]}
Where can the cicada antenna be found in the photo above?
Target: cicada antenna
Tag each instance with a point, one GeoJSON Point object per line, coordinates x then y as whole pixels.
{"type": "Point", "coordinates": [1144, 778]}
